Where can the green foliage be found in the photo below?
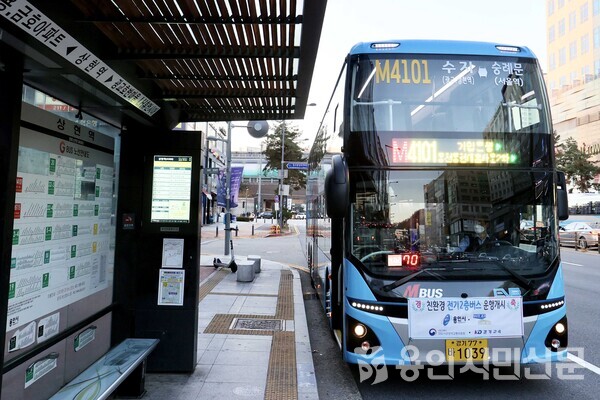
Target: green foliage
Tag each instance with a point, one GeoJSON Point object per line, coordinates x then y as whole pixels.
{"type": "Point", "coordinates": [578, 169]}
{"type": "Point", "coordinates": [292, 152]}
{"type": "Point", "coordinates": [287, 214]}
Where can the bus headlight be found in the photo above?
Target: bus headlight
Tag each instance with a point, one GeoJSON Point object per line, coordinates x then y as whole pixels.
{"type": "Point", "coordinates": [358, 335]}
{"type": "Point", "coordinates": [360, 330]}
{"type": "Point", "coordinates": [558, 337]}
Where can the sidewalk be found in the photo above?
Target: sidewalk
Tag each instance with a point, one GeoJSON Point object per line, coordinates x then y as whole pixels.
{"type": "Point", "coordinates": [262, 228]}
{"type": "Point", "coordinates": [253, 340]}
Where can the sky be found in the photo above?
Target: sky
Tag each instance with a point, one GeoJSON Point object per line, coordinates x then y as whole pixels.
{"type": "Point", "coordinates": [347, 22]}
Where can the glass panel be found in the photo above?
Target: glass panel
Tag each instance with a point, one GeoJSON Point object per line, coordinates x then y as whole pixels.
{"type": "Point", "coordinates": [461, 223]}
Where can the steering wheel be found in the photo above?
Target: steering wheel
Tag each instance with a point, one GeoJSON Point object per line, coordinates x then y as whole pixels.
{"type": "Point", "coordinates": [375, 253]}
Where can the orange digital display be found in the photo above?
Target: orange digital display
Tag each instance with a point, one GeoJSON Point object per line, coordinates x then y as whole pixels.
{"type": "Point", "coordinates": [409, 260]}
{"type": "Point", "coordinates": [450, 151]}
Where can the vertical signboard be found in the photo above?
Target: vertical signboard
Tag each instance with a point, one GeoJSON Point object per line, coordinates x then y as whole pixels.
{"type": "Point", "coordinates": [234, 187]}
{"type": "Point", "coordinates": [61, 246]}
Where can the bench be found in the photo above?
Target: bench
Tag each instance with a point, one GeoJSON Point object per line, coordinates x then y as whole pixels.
{"type": "Point", "coordinates": [123, 367]}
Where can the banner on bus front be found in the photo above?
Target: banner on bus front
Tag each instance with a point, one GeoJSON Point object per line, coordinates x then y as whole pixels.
{"type": "Point", "coordinates": [476, 317]}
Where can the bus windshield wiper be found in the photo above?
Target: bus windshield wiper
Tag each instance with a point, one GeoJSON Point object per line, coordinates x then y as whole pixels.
{"type": "Point", "coordinates": [408, 278]}
{"type": "Point", "coordinates": [520, 278]}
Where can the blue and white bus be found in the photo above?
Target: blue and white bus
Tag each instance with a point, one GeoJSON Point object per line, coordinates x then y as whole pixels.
{"type": "Point", "coordinates": [430, 156]}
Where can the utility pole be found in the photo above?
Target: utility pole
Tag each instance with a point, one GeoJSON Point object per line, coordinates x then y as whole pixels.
{"type": "Point", "coordinates": [228, 192]}
{"type": "Point", "coordinates": [259, 209]}
{"type": "Point", "coordinates": [281, 175]}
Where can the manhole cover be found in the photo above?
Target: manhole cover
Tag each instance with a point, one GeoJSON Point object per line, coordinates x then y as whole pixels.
{"type": "Point", "coordinates": [257, 324]}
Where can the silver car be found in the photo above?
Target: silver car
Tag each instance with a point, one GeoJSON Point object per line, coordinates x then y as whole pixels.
{"type": "Point", "coordinates": [579, 234]}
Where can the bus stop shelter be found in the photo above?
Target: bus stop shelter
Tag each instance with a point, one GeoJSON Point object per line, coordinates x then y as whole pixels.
{"type": "Point", "coordinates": [82, 240]}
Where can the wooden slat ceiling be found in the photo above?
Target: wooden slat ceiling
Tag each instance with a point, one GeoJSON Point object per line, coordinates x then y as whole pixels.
{"type": "Point", "coordinates": [215, 59]}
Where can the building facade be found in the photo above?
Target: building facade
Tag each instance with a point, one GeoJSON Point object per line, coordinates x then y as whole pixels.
{"type": "Point", "coordinates": [573, 71]}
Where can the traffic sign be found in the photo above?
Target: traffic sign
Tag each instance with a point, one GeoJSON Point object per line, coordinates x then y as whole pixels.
{"type": "Point", "coordinates": [297, 165]}
{"type": "Point", "coordinates": [211, 171]}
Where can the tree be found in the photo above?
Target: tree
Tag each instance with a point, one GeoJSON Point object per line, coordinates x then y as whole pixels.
{"type": "Point", "coordinates": [292, 152]}
{"type": "Point", "coordinates": [578, 169]}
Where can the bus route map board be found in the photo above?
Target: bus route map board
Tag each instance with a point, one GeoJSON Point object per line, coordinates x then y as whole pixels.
{"type": "Point", "coordinates": [63, 239]}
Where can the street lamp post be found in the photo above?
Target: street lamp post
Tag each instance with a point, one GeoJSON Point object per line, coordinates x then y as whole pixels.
{"type": "Point", "coordinates": [259, 209]}
{"type": "Point", "coordinates": [256, 129]}
{"type": "Point", "coordinates": [228, 192]}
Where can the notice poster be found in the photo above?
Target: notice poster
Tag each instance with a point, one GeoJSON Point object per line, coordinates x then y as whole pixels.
{"type": "Point", "coordinates": [172, 255]}
{"type": "Point", "coordinates": [171, 189]}
{"type": "Point", "coordinates": [61, 244]}
{"type": "Point", "coordinates": [170, 287]}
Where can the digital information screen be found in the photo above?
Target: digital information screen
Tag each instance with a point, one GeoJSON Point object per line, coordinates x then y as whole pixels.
{"type": "Point", "coordinates": [171, 189]}
{"type": "Point", "coordinates": [450, 151]}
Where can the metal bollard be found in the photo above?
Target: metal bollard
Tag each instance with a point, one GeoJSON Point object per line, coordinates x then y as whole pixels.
{"type": "Point", "coordinates": [253, 230]}
{"type": "Point", "coordinates": [236, 230]}
{"type": "Point", "coordinates": [217, 231]}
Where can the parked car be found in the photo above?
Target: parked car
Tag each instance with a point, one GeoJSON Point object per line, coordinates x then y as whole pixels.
{"type": "Point", "coordinates": [579, 234]}
{"type": "Point", "coordinates": [265, 215]}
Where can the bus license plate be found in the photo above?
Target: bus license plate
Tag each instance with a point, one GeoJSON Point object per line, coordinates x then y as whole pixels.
{"type": "Point", "coordinates": [466, 350]}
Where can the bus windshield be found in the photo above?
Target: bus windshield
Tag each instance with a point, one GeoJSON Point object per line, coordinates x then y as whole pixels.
{"type": "Point", "coordinates": [461, 222]}
{"type": "Point", "coordinates": [446, 93]}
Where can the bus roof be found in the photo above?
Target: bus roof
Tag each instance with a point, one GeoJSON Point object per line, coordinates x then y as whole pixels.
{"type": "Point", "coordinates": [441, 47]}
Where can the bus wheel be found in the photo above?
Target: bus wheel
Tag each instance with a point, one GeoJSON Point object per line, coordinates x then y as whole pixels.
{"type": "Point", "coordinates": [582, 243]}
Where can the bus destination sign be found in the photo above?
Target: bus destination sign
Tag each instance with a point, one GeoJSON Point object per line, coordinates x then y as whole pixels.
{"type": "Point", "coordinates": [450, 151]}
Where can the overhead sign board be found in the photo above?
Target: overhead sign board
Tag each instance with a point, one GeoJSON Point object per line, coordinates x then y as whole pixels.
{"type": "Point", "coordinates": [297, 165]}
{"type": "Point", "coordinates": [211, 171]}
{"type": "Point", "coordinates": [36, 24]}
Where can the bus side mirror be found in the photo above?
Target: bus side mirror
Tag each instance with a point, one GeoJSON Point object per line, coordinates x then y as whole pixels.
{"type": "Point", "coordinates": [561, 196]}
{"type": "Point", "coordinates": [337, 188]}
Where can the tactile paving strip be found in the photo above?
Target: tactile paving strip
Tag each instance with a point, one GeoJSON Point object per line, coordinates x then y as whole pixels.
{"type": "Point", "coordinates": [282, 381]}
{"type": "Point", "coordinates": [244, 294]}
{"type": "Point", "coordinates": [211, 282]}
{"type": "Point", "coordinates": [285, 298]}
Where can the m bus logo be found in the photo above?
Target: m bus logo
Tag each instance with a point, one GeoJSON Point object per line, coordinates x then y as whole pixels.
{"type": "Point", "coordinates": [415, 290]}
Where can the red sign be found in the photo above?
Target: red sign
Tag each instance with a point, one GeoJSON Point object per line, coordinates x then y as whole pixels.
{"type": "Point", "coordinates": [17, 210]}
{"type": "Point", "coordinates": [19, 187]}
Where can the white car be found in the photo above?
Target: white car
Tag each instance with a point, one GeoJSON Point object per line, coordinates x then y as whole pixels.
{"type": "Point", "coordinates": [579, 234]}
